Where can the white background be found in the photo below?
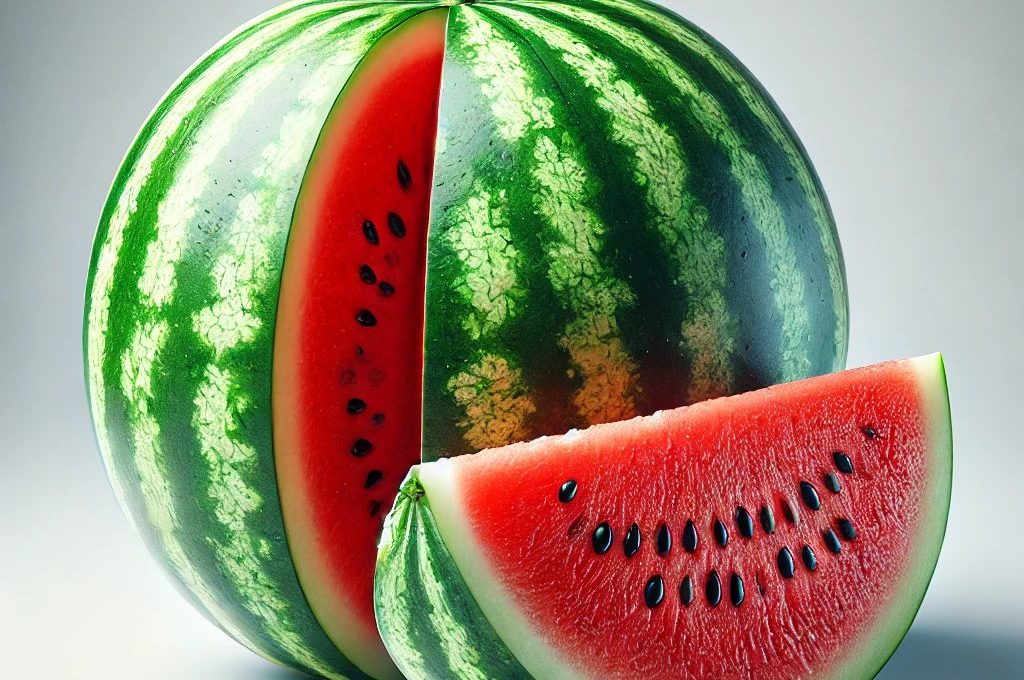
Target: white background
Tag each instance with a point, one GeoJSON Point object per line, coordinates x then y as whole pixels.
{"type": "Point", "coordinates": [913, 112]}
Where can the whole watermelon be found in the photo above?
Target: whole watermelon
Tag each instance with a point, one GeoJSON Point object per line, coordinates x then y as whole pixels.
{"type": "Point", "coordinates": [358, 234]}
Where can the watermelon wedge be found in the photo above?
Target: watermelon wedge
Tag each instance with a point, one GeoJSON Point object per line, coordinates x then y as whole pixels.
{"type": "Point", "coordinates": [789, 532]}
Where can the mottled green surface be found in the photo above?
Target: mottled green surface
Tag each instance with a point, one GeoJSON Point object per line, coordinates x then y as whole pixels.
{"type": "Point", "coordinates": [622, 221]}
{"type": "Point", "coordinates": [426, 614]}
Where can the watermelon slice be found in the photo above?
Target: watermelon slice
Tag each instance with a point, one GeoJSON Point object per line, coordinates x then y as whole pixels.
{"type": "Point", "coordinates": [789, 532]}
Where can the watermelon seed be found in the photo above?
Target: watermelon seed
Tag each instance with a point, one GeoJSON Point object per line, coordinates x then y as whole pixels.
{"type": "Point", "coordinates": [721, 533]}
{"type": "Point", "coordinates": [744, 522]}
{"type": "Point", "coordinates": [362, 448]}
{"type": "Point", "coordinates": [832, 483]}
{"type": "Point", "coordinates": [373, 478]}
{"type": "Point", "coordinates": [567, 491]}
{"type": "Point", "coordinates": [577, 526]}
{"type": "Point", "coordinates": [404, 177]}
{"type": "Point", "coordinates": [631, 544]}
{"type": "Point", "coordinates": [713, 589]}
{"type": "Point", "coordinates": [375, 507]}
{"type": "Point", "coordinates": [366, 275]}
{"type": "Point", "coordinates": [832, 541]}
{"type": "Point", "coordinates": [356, 406]}
{"type": "Point", "coordinates": [843, 462]}
{"type": "Point", "coordinates": [736, 590]}
{"type": "Point", "coordinates": [686, 591]}
{"type": "Point", "coordinates": [386, 289]}
{"type": "Point", "coordinates": [690, 538]}
{"type": "Point", "coordinates": [366, 318]}
{"type": "Point", "coordinates": [789, 512]}
{"type": "Point", "coordinates": [810, 561]}
{"type": "Point", "coordinates": [602, 538]}
{"type": "Point", "coordinates": [664, 540]}
{"type": "Point", "coordinates": [785, 562]}
{"type": "Point", "coordinates": [396, 224]}
{"type": "Point", "coordinates": [767, 520]}
{"type": "Point", "coordinates": [810, 495]}
{"type": "Point", "coordinates": [377, 419]}
{"type": "Point", "coordinates": [869, 432]}
{"type": "Point", "coordinates": [370, 232]}
{"type": "Point", "coordinates": [360, 351]}
{"type": "Point", "coordinates": [847, 529]}
{"type": "Point", "coordinates": [654, 591]}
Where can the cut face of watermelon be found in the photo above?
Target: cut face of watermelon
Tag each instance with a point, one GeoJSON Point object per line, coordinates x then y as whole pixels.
{"type": "Point", "coordinates": [789, 532]}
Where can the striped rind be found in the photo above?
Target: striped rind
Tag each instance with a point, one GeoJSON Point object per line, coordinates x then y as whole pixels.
{"type": "Point", "coordinates": [622, 222]}
{"type": "Point", "coordinates": [187, 266]}
{"type": "Point", "coordinates": [428, 619]}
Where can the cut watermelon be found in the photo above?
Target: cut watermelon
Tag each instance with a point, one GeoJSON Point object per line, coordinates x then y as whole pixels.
{"type": "Point", "coordinates": [789, 532]}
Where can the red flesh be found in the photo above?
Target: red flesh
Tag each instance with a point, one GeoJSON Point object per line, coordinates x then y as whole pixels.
{"type": "Point", "coordinates": [325, 357]}
{"type": "Point", "coordinates": [701, 463]}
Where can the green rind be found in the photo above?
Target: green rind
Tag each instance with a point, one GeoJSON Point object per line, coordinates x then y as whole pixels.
{"type": "Point", "coordinates": [429, 621]}
{"type": "Point", "coordinates": [183, 361]}
{"type": "Point", "coordinates": [431, 505]}
{"type": "Point", "coordinates": [732, 281]}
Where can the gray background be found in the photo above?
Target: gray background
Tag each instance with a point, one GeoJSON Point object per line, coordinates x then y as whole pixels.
{"type": "Point", "coordinates": [912, 112]}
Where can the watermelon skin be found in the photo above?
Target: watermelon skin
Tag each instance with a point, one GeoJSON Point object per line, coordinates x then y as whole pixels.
{"type": "Point", "coordinates": [480, 561]}
{"type": "Point", "coordinates": [184, 280]}
{"type": "Point", "coordinates": [622, 222]}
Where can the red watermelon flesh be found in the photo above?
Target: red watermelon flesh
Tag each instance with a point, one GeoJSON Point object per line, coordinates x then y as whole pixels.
{"type": "Point", "coordinates": [853, 467]}
{"type": "Point", "coordinates": [349, 346]}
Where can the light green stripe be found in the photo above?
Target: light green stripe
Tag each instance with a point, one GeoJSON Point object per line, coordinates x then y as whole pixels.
{"type": "Point", "coordinates": [766, 113]}
{"type": "Point", "coordinates": [241, 276]}
{"type": "Point", "coordinates": [157, 285]}
{"type": "Point", "coordinates": [660, 167]}
{"type": "Point", "coordinates": [563, 194]}
{"type": "Point", "coordinates": [751, 176]}
{"type": "Point", "coordinates": [109, 253]}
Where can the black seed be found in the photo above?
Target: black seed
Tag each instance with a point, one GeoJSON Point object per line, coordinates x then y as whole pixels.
{"type": "Point", "coordinates": [831, 541]}
{"type": "Point", "coordinates": [832, 483]}
{"type": "Point", "coordinates": [360, 351]}
{"type": "Point", "coordinates": [713, 589]}
{"type": "Point", "coordinates": [690, 538]}
{"type": "Point", "coordinates": [810, 561]}
{"type": "Point", "coordinates": [869, 432]}
{"type": "Point", "coordinates": [366, 274]}
{"type": "Point", "coordinates": [366, 318]}
{"type": "Point", "coordinates": [736, 591]}
{"type": "Point", "coordinates": [843, 462]}
{"type": "Point", "coordinates": [663, 542]}
{"type": "Point", "coordinates": [785, 562]}
{"type": "Point", "coordinates": [386, 289]}
{"type": "Point", "coordinates": [396, 225]}
{"type": "Point", "coordinates": [378, 419]}
{"type": "Point", "coordinates": [602, 538]}
{"type": "Point", "coordinates": [767, 519]}
{"type": "Point", "coordinates": [567, 491]}
{"type": "Point", "coordinates": [404, 177]}
{"type": "Point", "coordinates": [356, 406]}
{"type": "Point", "coordinates": [686, 591]}
{"type": "Point", "coordinates": [744, 522]}
{"type": "Point", "coordinates": [810, 496]}
{"type": "Point", "coordinates": [375, 507]}
{"type": "Point", "coordinates": [654, 591]}
{"type": "Point", "coordinates": [370, 232]}
{"type": "Point", "coordinates": [846, 529]}
{"type": "Point", "coordinates": [362, 448]}
{"type": "Point", "coordinates": [789, 512]}
{"type": "Point", "coordinates": [631, 544]}
{"type": "Point", "coordinates": [721, 533]}
{"type": "Point", "coordinates": [373, 478]}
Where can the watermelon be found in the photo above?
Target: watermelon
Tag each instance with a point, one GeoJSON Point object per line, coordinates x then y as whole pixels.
{"type": "Point", "coordinates": [789, 532]}
{"type": "Point", "coordinates": [355, 236]}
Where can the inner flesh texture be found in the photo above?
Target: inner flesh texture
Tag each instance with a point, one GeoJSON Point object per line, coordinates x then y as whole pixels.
{"type": "Point", "coordinates": [579, 588]}
{"type": "Point", "coordinates": [348, 354]}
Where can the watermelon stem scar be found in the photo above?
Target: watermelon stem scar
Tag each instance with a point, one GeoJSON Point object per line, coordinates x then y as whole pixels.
{"type": "Point", "coordinates": [477, 558]}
